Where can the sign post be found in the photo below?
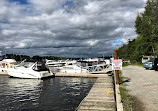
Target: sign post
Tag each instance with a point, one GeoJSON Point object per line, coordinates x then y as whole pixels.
{"type": "Point", "coordinates": [116, 65]}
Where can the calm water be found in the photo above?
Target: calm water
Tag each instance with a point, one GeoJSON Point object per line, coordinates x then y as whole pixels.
{"type": "Point", "coordinates": [55, 94]}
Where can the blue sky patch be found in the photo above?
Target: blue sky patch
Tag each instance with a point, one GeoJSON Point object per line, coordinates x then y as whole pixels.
{"type": "Point", "coordinates": [19, 1]}
{"type": "Point", "coordinates": [68, 3]}
{"type": "Point", "coordinates": [114, 44]}
{"type": "Point", "coordinates": [118, 39]}
{"type": "Point", "coordinates": [117, 42]}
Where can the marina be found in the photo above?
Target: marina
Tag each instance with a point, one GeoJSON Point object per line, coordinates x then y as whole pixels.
{"type": "Point", "coordinates": [78, 55]}
{"type": "Point", "coordinates": [75, 74]}
{"type": "Point", "coordinates": [48, 68]}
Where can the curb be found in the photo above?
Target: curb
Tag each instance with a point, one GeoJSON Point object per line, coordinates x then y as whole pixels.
{"type": "Point", "coordinates": [119, 105]}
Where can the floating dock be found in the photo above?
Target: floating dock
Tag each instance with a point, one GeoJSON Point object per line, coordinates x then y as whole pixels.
{"type": "Point", "coordinates": [3, 73]}
{"type": "Point", "coordinates": [79, 75]}
{"type": "Point", "coordinates": [101, 96]}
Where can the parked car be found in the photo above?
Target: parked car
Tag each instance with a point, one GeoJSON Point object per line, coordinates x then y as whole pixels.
{"type": "Point", "coordinates": [149, 64]}
{"type": "Point", "coordinates": [148, 58]}
{"type": "Point", "coordinates": [156, 64]}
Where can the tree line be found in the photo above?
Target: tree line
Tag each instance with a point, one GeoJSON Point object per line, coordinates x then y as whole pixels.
{"type": "Point", "coordinates": [146, 27]}
{"type": "Point", "coordinates": [39, 58]}
{"type": "Point", "coordinates": [34, 58]}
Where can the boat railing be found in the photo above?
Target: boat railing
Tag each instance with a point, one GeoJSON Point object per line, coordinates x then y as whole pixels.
{"type": "Point", "coordinates": [96, 68]}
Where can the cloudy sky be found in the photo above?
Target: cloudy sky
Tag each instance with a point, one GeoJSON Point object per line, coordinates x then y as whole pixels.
{"type": "Point", "coordinates": [71, 28]}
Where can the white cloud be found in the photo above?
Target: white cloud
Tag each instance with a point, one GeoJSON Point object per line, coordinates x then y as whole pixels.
{"type": "Point", "coordinates": [46, 6]}
{"type": "Point", "coordinates": [92, 42]}
{"type": "Point", "coordinates": [21, 45]}
{"type": "Point", "coordinates": [93, 7]}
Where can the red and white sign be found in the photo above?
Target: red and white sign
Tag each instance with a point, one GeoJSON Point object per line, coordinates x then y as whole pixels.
{"type": "Point", "coordinates": [117, 64]}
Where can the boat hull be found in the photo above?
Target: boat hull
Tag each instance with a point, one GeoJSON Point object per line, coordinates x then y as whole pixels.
{"type": "Point", "coordinates": [29, 74]}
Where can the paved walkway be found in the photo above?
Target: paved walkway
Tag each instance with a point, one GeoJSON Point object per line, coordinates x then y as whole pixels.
{"type": "Point", "coordinates": [143, 85]}
{"type": "Point", "coordinates": [100, 97]}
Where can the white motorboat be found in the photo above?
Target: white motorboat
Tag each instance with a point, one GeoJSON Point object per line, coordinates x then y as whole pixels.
{"type": "Point", "coordinates": [53, 63]}
{"type": "Point", "coordinates": [60, 63]}
{"type": "Point", "coordinates": [73, 69]}
{"type": "Point", "coordinates": [30, 70]}
{"type": "Point", "coordinates": [6, 64]}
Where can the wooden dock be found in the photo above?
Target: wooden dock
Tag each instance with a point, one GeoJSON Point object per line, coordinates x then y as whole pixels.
{"type": "Point", "coordinates": [79, 75]}
{"type": "Point", "coordinates": [100, 97]}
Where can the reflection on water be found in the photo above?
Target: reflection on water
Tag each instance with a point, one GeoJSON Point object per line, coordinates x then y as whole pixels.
{"type": "Point", "coordinates": [56, 94]}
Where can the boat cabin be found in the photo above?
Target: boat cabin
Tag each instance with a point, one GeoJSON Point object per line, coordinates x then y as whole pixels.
{"type": "Point", "coordinates": [36, 66]}
{"type": "Point", "coordinates": [7, 63]}
{"type": "Point", "coordinates": [40, 66]}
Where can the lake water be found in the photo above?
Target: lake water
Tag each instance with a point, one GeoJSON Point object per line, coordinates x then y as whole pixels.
{"type": "Point", "coordinates": [55, 94]}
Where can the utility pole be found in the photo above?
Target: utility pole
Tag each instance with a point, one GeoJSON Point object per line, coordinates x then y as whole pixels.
{"type": "Point", "coordinates": [116, 73]}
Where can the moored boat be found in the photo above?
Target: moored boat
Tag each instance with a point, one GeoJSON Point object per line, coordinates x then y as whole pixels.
{"type": "Point", "coordinates": [6, 64]}
{"type": "Point", "coordinates": [30, 70]}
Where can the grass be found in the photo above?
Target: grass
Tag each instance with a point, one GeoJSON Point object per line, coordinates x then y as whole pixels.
{"type": "Point", "coordinates": [136, 63]}
{"type": "Point", "coordinates": [130, 103]}
{"type": "Point", "coordinates": [127, 100]}
{"type": "Point", "coordinates": [125, 64]}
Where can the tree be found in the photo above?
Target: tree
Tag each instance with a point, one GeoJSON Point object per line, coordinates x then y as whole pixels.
{"type": "Point", "coordinates": [146, 25]}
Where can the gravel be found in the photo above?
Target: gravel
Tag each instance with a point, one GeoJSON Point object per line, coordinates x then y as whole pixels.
{"type": "Point", "coordinates": [142, 85]}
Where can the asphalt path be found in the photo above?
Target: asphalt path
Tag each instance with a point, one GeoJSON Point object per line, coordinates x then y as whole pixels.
{"type": "Point", "coordinates": [142, 84]}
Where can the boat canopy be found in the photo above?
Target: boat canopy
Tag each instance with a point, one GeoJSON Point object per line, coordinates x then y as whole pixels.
{"type": "Point", "coordinates": [9, 60]}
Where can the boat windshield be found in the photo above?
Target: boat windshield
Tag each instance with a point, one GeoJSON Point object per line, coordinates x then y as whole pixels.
{"type": "Point", "coordinates": [26, 64]}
